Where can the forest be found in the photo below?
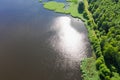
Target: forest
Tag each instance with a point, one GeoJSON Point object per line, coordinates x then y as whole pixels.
{"type": "Point", "coordinates": [106, 15]}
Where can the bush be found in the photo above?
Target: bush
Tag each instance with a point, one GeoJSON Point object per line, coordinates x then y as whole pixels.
{"type": "Point", "coordinates": [81, 7]}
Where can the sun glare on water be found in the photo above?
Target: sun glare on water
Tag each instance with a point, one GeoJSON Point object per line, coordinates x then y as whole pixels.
{"type": "Point", "coordinates": [68, 41]}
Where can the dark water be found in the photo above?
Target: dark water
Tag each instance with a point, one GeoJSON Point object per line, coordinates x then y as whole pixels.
{"type": "Point", "coordinates": [37, 44]}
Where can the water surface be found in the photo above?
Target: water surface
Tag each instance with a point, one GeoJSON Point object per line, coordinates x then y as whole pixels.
{"type": "Point", "coordinates": [37, 44]}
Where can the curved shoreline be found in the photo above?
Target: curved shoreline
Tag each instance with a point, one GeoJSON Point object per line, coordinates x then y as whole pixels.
{"type": "Point", "coordinates": [87, 73]}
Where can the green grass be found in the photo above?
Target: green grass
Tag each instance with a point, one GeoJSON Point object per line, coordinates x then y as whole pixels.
{"type": "Point", "coordinates": [52, 5]}
{"type": "Point", "coordinates": [60, 7]}
{"type": "Point", "coordinates": [88, 69]}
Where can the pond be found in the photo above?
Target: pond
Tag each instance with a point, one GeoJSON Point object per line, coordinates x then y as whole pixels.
{"type": "Point", "coordinates": [37, 44]}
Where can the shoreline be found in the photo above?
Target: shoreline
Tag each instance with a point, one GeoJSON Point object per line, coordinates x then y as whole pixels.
{"type": "Point", "coordinates": [58, 7]}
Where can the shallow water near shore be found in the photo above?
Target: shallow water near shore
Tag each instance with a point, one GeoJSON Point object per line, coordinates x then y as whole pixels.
{"type": "Point", "coordinates": [37, 44]}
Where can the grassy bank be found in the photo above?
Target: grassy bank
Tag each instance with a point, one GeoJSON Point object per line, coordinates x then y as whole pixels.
{"type": "Point", "coordinates": [88, 69]}
{"type": "Point", "coordinates": [71, 8]}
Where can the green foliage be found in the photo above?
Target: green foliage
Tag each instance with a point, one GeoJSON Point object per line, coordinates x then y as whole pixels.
{"type": "Point", "coordinates": [81, 7]}
{"type": "Point", "coordinates": [85, 16]}
{"type": "Point", "coordinates": [99, 62]}
{"type": "Point", "coordinates": [107, 18]}
{"type": "Point", "coordinates": [109, 53]}
{"type": "Point", "coordinates": [116, 76]}
{"type": "Point", "coordinates": [89, 71]}
{"type": "Point", "coordinates": [74, 1]}
{"type": "Point", "coordinates": [118, 37]}
{"type": "Point", "coordinates": [54, 6]}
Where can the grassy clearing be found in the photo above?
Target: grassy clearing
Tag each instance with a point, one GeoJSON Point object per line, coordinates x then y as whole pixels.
{"type": "Point", "coordinates": [60, 7]}
{"type": "Point", "coordinates": [55, 6]}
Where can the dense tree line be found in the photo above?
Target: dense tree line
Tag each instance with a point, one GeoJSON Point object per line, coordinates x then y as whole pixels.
{"type": "Point", "coordinates": [106, 43]}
